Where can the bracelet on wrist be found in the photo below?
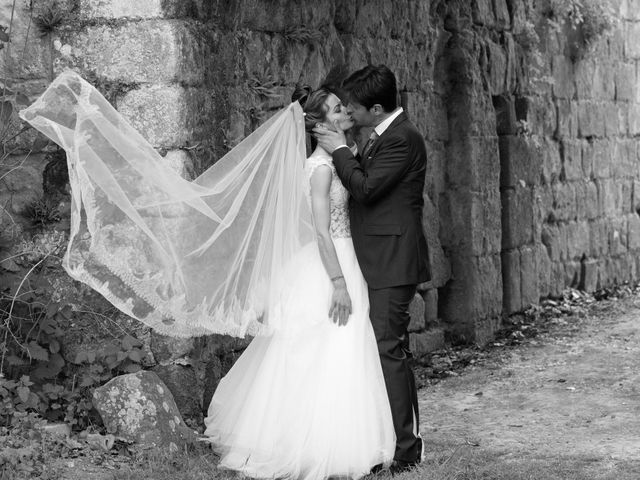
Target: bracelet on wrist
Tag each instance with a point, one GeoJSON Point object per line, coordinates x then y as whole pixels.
{"type": "Point", "coordinates": [333, 279]}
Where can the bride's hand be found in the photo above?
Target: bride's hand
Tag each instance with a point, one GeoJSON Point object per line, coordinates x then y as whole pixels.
{"type": "Point", "coordinates": [340, 302]}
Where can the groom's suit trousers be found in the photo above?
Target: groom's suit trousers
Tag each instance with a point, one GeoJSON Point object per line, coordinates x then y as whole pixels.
{"type": "Point", "coordinates": [389, 313]}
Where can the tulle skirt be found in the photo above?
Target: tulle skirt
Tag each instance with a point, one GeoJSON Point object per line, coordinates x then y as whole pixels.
{"type": "Point", "coordinates": [309, 400]}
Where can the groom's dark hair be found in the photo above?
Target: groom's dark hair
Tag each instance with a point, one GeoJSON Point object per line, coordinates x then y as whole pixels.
{"type": "Point", "coordinates": [373, 84]}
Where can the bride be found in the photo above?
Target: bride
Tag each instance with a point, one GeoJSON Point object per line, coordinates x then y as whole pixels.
{"type": "Point", "coordinates": [258, 244]}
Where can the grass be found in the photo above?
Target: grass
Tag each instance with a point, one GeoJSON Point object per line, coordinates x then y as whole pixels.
{"type": "Point", "coordinates": [443, 462]}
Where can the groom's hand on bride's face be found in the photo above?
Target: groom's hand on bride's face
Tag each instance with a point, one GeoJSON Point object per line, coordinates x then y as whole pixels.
{"type": "Point", "coordinates": [328, 139]}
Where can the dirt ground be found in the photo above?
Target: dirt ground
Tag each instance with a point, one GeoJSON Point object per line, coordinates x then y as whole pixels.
{"type": "Point", "coordinates": [569, 395]}
{"type": "Point", "coordinates": [555, 397]}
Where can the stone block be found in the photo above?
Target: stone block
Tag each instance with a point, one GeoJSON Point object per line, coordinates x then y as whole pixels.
{"type": "Point", "coordinates": [625, 81]}
{"type": "Point", "coordinates": [502, 16]}
{"type": "Point", "coordinates": [564, 201]}
{"type": "Point", "coordinates": [551, 161]}
{"type": "Point", "coordinates": [623, 158]}
{"type": "Point", "coordinates": [485, 169]}
{"type": "Point", "coordinates": [543, 265]}
{"type": "Point", "coordinates": [486, 296]}
{"type": "Point", "coordinates": [557, 282]}
{"type": "Point", "coordinates": [614, 124]}
{"type": "Point", "coordinates": [604, 82]}
{"type": "Point", "coordinates": [182, 383]}
{"type": "Point", "coordinates": [618, 236]}
{"type": "Point", "coordinates": [416, 313]}
{"type": "Point", "coordinates": [590, 210]}
{"type": "Point", "coordinates": [598, 241]}
{"type": "Point", "coordinates": [581, 199]}
{"type": "Point", "coordinates": [625, 195]}
{"type": "Point", "coordinates": [632, 40]}
{"type": "Point", "coordinates": [635, 196]}
{"type": "Point", "coordinates": [607, 193]}
{"type": "Point", "coordinates": [426, 342]}
{"type": "Point", "coordinates": [506, 120]}
{"type": "Point", "coordinates": [167, 349]}
{"type": "Point", "coordinates": [435, 181]}
{"type": "Point", "coordinates": [484, 231]}
{"type": "Point", "coordinates": [585, 77]}
{"type": "Point", "coordinates": [496, 68]}
{"type": "Point", "coordinates": [530, 292]}
{"type": "Point", "coordinates": [483, 13]}
{"type": "Point", "coordinates": [571, 152]}
{"type": "Point", "coordinates": [567, 115]}
{"type": "Point", "coordinates": [519, 162]}
{"type": "Point", "coordinates": [590, 119]}
{"type": "Point", "coordinates": [634, 119]}
{"type": "Point", "coordinates": [428, 111]}
{"type": "Point", "coordinates": [440, 267]}
{"type": "Point", "coordinates": [511, 281]}
{"type": "Point", "coordinates": [589, 275]}
{"type": "Point", "coordinates": [623, 118]}
{"type": "Point", "coordinates": [553, 241]}
{"type": "Point", "coordinates": [630, 9]}
{"type": "Point", "coordinates": [563, 77]}
{"type": "Point", "coordinates": [572, 271]}
{"type": "Point", "coordinates": [153, 51]}
{"type": "Point", "coordinates": [517, 217]}
{"type": "Point", "coordinates": [431, 307]}
{"type": "Point", "coordinates": [596, 156]}
{"type": "Point", "coordinates": [166, 115]}
{"type": "Point", "coordinates": [541, 115]}
{"type": "Point", "coordinates": [120, 9]}
{"type": "Point", "coordinates": [633, 234]}
{"type": "Point", "coordinates": [578, 245]}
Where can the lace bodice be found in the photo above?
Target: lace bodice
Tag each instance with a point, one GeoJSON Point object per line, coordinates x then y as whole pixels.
{"type": "Point", "coordinates": [338, 195]}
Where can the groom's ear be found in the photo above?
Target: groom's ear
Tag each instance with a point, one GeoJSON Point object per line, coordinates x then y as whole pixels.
{"type": "Point", "coordinates": [377, 109]}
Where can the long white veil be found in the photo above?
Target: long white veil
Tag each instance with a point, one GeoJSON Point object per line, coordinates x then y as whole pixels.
{"type": "Point", "coordinates": [186, 258]}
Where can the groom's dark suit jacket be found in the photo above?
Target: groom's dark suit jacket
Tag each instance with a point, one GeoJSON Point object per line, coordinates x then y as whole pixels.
{"type": "Point", "coordinates": [386, 204]}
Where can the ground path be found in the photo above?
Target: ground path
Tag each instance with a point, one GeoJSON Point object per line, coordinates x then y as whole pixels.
{"type": "Point", "coordinates": [564, 405]}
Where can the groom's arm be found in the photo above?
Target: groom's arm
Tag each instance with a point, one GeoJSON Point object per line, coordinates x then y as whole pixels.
{"type": "Point", "coordinates": [385, 171]}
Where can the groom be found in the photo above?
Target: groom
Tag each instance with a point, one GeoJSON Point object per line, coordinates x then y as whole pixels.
{"type": "Point", "coordinates": [386, 182]}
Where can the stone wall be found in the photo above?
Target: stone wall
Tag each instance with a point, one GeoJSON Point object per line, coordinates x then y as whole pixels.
{"type": "Point", "coordinates": [532, 180]}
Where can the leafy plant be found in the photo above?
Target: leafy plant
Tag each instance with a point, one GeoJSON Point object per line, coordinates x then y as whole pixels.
{"type": "Point", "coordinates": [43, 211]}
{"type": "Point", "coordinates": [589, 18]}
{"type": "Point", "coordinates": [264, 84]}
{"type": "Point", "coordinates": [39, 378]}
{"type": "Point", "coordinates": [49, 18]}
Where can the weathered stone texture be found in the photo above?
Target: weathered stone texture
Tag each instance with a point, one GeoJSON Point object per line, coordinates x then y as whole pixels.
{"type": "Point", "coordinates": [165, 115]}
{"type": "Point", "coordinates": [138, 407]}
{"type": "Point", "coordinates": [142, 52]}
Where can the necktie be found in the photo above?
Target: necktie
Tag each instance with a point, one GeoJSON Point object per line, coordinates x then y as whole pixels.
{"type": "Point", "coordinates": [367, 148]}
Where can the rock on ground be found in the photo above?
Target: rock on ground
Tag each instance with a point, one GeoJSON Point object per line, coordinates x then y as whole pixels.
{"type": "Point", "coordinates": [139, 407]}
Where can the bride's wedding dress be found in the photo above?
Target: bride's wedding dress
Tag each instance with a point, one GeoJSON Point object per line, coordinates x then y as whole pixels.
{"type": "Point", "coordinates": [231, 252]}
{"type": "Point", "coordinates": [308, 401]}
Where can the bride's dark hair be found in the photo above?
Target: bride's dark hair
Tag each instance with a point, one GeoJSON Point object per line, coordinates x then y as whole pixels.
{"type": "Point", "coordinates": [313, 105]}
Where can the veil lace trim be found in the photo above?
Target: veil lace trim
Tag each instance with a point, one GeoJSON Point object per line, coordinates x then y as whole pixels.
{"type": "Point", "coordinates": [185, 258]}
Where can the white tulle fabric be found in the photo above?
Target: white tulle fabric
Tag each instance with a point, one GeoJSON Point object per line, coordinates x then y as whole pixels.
{"type": "Point", "coordinates": [186, 258]}
{"type": "Point", "coordinates": [309, 401]}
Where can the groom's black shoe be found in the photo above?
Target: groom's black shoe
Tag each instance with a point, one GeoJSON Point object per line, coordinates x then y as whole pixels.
{"type": "Point", "coordinates": [398, 467]}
